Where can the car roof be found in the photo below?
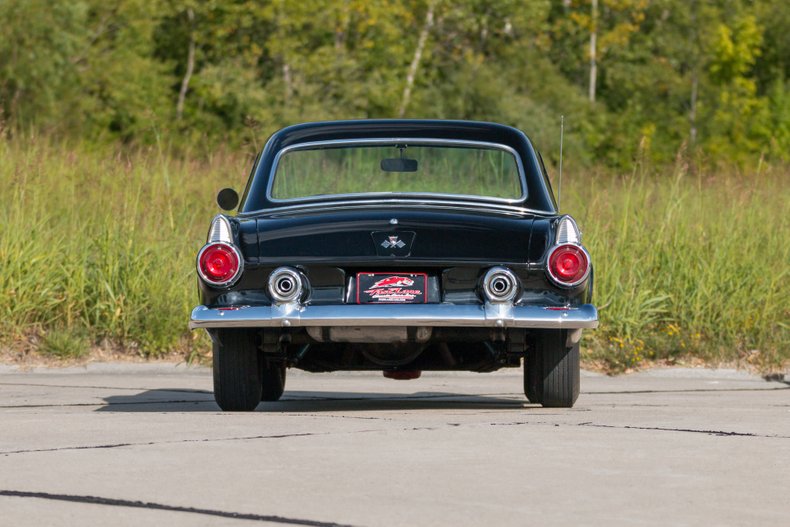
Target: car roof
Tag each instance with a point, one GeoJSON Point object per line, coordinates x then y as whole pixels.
{"type": "Point", "coordinates": [538, 191]}
{"type": "Point", "coordinates": [407, 128]}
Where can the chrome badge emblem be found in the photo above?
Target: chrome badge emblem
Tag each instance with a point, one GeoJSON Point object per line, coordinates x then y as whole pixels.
{"type": "Point", "coordinates": [393, 241]}
{"type": "Point", "coordinates": [389, 244]}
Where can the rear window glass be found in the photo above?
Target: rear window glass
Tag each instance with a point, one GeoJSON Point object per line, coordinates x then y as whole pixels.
{"type": "Point", "coordinates": [397, 169]}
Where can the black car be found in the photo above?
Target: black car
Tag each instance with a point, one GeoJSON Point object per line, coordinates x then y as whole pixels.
{"type": "Point", "coordinates": [398, 246]}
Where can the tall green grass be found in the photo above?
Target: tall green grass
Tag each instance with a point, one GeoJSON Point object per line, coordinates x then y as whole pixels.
{"type": "Point", "coordinates": [688, 264]}
{"type": "Point", "coordinates": [100, 242]}
{"type": "Point", "coordinates": [103, 242]}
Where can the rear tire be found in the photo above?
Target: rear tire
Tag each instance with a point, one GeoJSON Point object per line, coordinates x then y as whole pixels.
{"type": "Point", "coordinates": [237, 373]}
{"type": "Point", "coordinates": [552, 371]}
{"type": "Point", "coordinates": [273, 380]}
{"type": "Point", "coordinates": [533, 381]}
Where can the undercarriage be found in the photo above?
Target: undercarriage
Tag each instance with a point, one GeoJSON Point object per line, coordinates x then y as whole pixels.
{"type": "Point", "coordinates": [392, 348]}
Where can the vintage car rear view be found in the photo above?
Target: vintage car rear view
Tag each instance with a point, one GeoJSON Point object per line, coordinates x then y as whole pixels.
{"type": "Point", "coordinates": [398, 246]}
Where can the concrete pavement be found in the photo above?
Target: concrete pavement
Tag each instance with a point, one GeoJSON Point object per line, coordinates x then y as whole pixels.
{"type": "Point", "coordinates": [132, 444]}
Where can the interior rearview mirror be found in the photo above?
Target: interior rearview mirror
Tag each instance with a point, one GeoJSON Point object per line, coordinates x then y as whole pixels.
{"type": "Point", "coordinates": [227, 199]}
{"type": "Point", "coordinates": [399, 164]}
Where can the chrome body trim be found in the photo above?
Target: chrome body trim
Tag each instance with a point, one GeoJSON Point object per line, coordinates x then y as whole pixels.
{"type": "Point", "coordinates": [574, 337]}
{"type": "Point", "coordinates": [393, 140]}
{"type": "Point", "coordinates": [220, 230]}
{"type": "Point", "coordinates": [426, 315]}
{"type": "Point", "coordinates": [568, 231]}
{"type": "Point", "coordinates": [395, 202]}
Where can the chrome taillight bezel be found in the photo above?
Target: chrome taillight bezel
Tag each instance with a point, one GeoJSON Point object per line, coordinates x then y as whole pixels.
{"type": "Point", "coordinates": [558, 281]}
{"type": "Point", "coordinates": [220, 232]}
{"type": "Point", "coordinates": [220, 283]}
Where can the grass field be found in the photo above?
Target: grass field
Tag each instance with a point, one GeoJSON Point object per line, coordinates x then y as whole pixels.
{"type": "Point", "coordinates": [97, 247]}
{"type": "Point", "coordinates": [688, 265]}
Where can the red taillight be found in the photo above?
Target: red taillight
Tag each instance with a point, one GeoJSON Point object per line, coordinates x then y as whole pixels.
{"type": "Point", "coordinates": [218, 263]}
{"type": "Point", "coordinates": [568, 264]}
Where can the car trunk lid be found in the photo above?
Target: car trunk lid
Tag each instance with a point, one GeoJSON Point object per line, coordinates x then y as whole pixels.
{"type": "Point", "coordinates": [395, 234]}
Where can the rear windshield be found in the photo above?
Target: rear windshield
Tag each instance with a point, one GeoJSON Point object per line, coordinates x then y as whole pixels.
{"type": "Point", "coordinates": [483, 171]}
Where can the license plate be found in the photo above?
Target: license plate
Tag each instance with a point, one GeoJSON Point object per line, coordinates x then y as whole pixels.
{"type": "Point", "coordinates": [391, 288]}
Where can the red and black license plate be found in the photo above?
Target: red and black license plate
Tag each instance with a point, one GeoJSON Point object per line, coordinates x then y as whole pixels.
{"type": "Point", "coordinates": [391, 288]}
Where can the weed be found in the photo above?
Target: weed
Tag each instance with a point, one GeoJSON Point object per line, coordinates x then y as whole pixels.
{"type": "Point", "coordinates": [64, 344]}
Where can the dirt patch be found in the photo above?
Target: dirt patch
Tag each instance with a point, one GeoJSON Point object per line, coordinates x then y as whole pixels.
{"type": "Point", "coordinates": [30, 358]}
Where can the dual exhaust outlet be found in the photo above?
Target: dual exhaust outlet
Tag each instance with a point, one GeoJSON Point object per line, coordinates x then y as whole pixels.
{"type": "Point", "coordinates": [500, 285]}
{"type": "Point", "coordinates": [286, 284]}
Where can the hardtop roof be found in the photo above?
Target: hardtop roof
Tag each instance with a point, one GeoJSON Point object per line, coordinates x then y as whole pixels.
{"type": "Point", "coordinates": [388, 128]}
{"type": "Point", "coordinates": [538, 189]}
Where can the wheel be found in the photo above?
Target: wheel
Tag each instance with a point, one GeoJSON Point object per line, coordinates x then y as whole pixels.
{"type": "Point", "coordinates": [237, 374]}
{"type": "Point", "coordinates": [552, 371]}
{"type": "Point", "coordinates": [273, 380]}
{"type": "Point", "coordinates": [532, 379]}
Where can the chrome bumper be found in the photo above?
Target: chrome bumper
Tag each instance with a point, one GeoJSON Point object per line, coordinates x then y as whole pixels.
{"type": "Point", "coordinates": [431, 315]}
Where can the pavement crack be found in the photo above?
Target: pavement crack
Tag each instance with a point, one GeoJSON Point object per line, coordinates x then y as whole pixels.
{"type": "Point", "coordinates": [151, 443]}
{"type": "Point", "coordinates": [690, 390]}
{"type": "Point", "coordinates": [720, 433]}
{"type": "Point", "coordinates": [337, 416]}
{"type": "Point", "coordinates": [81, 386]}
{"type": "Point", "coordinates": [115, 502]}
{"type": "Point", "coordinates": [133, 403]}
{"type": "Point", "coordinates": [218, 439]}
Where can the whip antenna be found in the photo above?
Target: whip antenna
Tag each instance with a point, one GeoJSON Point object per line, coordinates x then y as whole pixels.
{"type": "Point", "coordinates": [562, 133]}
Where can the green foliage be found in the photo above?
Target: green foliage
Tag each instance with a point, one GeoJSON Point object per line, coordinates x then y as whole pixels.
{"type": "Point", "coordinates": [688, 265]}
{"type": "Point", "coordinates": [103, 238]}
{"type": "Point", "coordinates": [98, 244]}
{"type": "Point", "coordinates": [37, 66]}
{"type": "Point", "coordinates": [706, 77]}
{"type": "Point", "coordinates": [739, 116]}
{"type": "Point", "coordinates": [779, 111]}
{"type": "Point", "coordinates": [64, 344]}
{"type": "Point", "coordinates": [125, 91]}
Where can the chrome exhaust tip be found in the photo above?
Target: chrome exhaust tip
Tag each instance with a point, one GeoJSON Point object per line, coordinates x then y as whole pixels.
{"type": "Point", "coordinates": [285, 285]}
{"type": "Point", "coordinates": [500, 285]}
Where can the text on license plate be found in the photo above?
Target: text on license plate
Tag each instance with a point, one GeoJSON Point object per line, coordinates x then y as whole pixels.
{"type": "Point", "coordinates": [391, 288]}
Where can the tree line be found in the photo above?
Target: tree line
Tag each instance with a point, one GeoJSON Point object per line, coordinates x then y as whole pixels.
{"type": "Point", "coordinates": [635, 79]}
